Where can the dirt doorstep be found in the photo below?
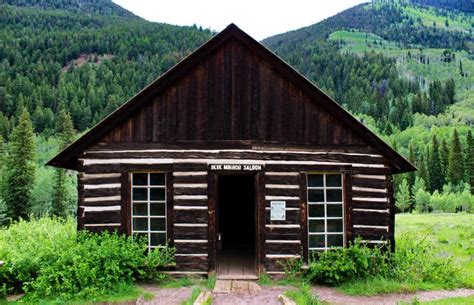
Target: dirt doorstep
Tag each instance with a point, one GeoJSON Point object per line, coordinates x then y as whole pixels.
{"type": "Point", "coordinates": [268, 295]}
{"type": "Point", "coordinates": [335, 297]}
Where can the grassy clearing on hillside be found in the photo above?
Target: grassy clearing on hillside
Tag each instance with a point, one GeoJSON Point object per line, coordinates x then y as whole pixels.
{"type": "Point", "coordinates": [429, 17]}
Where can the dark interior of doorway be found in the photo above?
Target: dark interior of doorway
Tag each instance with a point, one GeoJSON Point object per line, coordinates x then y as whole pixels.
{"type": "Point", "coordinates": [236, 224]}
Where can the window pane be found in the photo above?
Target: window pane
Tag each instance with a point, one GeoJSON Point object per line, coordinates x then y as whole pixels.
{"type": "Point", "coordinates": [140, 224]}
{"type": "Point", "coordinates": [316, 195]}
{"type": "Point", "coordinates": [157, 179]}
{"type": "Point", "coordinates": [334, 195]}
{"type": "Point", "coordinates": [140, 209]}
{"type": "Point", "coordinates": [316, 241]}
{"type": "Point", "coordinates": [333, 180]}
{"type": "Point", "coordinates": [335, 240]}
{"type": "Point", "coordinates": [157, 194]}
{"type": "Point", "coordinates": [140, 179]}
{"type": "Point", "coordinates": [140, 193]}
{"type": "Point", "coordinates": [315, 180]}
{"type": "Point", "coordinates": [157, 209]}
{"type": "Point", "coordinates": [316, 225]}
{"type": "Point", "coordinates": [157, 239]}
{"type": "Point", "coordinates": [334, 210]}
{"type": "Point", "coordinates": [158, 224]}
{"type": "Point", "coordinates": [334, 225]}
{"type": "Point", "coordinates": [316, 210]}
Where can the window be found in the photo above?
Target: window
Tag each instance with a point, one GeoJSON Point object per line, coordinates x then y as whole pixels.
{"type": "Point", "coordinates": [149, 207]}
{"type": "Point", "coordinates": [325, 211]}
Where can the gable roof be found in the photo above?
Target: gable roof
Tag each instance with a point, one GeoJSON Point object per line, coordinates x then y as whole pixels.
{"type": "Point", "coordinates": [68, 157]}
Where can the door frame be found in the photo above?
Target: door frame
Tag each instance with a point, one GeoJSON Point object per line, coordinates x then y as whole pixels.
{"type": "Point", "coordinates": [213, 202]}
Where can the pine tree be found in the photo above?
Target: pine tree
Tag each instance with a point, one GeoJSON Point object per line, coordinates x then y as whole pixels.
{"type": "Point", "coordinates": [20, 168]}
{"type": "Point", "coordinates": [411, 176]}
{"type": "Point", "coordinates": [434, 167]}
{"type": "Point", "coordinates": [444, 156]}
{"type": "Point", "coordinates": [65, 133]}
{"type": "Point", "coordinates": [456, 161]}
{"type": "Point", "coordinates": [422, 172]}
{"type": "Point", "coordinates": [402, 197]}
{"type": "Point", "coordinates": [470, 160]}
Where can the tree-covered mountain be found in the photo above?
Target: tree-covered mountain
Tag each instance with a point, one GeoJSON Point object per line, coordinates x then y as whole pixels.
{"type": "Point", "coordinates": [88, 65]}
{"type": "Point", "coordinates": [461, 5]}
{"type": "Point", "coordinates": [406, 69]}
{"type": "Point", "coordinates": [92, 7]}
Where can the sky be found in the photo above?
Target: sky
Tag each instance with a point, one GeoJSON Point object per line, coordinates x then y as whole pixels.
{"type": "Point", "coordinates": [259, 18]}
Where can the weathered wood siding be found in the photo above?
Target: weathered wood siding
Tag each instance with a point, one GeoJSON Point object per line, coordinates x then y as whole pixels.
{"type": "Point", "coordinates": [104, 187]}
{"type": "Point", "coordinates": [234, 95]}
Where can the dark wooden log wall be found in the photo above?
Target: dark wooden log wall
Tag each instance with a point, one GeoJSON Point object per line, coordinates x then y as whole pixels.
{"type": "Point", "coordinates": [103, 187]}
{"type": "Point", "coordinates": [233, 94]}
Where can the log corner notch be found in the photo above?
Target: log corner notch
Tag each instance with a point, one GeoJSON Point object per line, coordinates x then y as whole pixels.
{"type": "Point", "coordinates": [232, 104]}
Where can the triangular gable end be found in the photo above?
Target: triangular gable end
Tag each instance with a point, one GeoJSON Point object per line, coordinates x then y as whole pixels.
{"type": "Point", "coordinates": [203, 98]}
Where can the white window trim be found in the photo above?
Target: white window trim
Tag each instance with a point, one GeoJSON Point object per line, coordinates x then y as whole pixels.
{"type": "Point", "coordinates": [325, 218]}
{"type": "Point", "coordinates": [148, 202]}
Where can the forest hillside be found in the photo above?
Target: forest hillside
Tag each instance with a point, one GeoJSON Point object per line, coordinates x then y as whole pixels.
{"type": "Point", "coordinates": [405, 68]}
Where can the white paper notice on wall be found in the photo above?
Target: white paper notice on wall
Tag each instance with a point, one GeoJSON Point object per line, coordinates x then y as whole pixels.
{"type": "Point", "coordinates": [277, 210]}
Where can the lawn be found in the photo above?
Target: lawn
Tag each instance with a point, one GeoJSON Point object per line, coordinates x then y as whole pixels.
{"type": "Point", "coordinates": [450, 234]}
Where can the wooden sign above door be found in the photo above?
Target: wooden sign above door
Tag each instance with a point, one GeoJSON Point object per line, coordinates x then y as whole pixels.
{"type": "Point", "coordinates": [236, 167]}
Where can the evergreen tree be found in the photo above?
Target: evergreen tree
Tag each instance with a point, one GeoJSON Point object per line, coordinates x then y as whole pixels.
{"type": "Point", "coordinates": [434, 167]}
{"type": "Point", "coordinates": [470, 160]}
{"type": "Point", "coordinates": [456, 161]}
{"type": "Point", "coordinates": [403, 196]}
{"type": "Point", "coordinates": [20, 168]}
{"type": "Point", "coordinates": [422, 172]}
{"type": "Point", "coordinates": [65, 133]}
{"type": "Point", "coordinates": [444, 156]}
{"type": "Point", "coordinates": [411, 175]}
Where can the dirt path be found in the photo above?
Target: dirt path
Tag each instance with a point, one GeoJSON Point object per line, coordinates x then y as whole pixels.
{"type": "Point", "coordinates": [168, 296]}
{"type": "Point", "coordinates": [335, 297]}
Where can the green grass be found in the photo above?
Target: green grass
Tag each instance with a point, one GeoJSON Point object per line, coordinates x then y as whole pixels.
{"type": "Point", "coordinates": [453, 301]}
{"type": "Point", "coordinates": [194, 296]}
{"type": "Point", "coordinates": [450, 234]}
{"type": "Point", "coordinates": [303, 296]}
{"type": "Point", "coordinates": [124, 293]}
{"type": "Point", "coordinates": [377, 286]}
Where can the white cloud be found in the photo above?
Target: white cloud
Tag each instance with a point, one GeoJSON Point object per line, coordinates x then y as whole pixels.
{"type": "Point", "coordinates": [260, 19]}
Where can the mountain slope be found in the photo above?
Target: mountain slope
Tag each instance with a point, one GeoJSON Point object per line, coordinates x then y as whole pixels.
{"type": "Point", "coordinates": [92, 7]}
{"type": "Point", "coordinates": [86, 64]}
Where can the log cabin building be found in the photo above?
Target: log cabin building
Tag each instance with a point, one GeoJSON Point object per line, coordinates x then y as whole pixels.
{"type": "Point", "coordinates": [236, 160]}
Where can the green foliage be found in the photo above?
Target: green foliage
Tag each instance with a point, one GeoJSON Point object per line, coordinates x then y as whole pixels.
{"type": "Point", "coordinates": [456, 160]}
{"type": "Point", "coordinates": [402, 197]}
{"type": "Point", "coordinates": [436, 177]}
{"type": "Point", "coordinates": [303, 296]}
{"type": "Point", "coordinates": [343, 264]}
{"type": "Point", "coordinates": [414, 261]}
{"type": "Point", "coordinates": [20, 169]}
{"type": "Point", "coordinates": [65, 133]}
{"type": "Point", "coordinates": [470, 160]}
{"type": "Point", "coordinates": [422, 201]}
{"type": "Point", "coordinates": [47, 258]}
{"type": "Point", "coordinates": [193, 297]}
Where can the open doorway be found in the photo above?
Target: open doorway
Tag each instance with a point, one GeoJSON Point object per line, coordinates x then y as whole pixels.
{"type": "Point", "coordinates": [236, 227]}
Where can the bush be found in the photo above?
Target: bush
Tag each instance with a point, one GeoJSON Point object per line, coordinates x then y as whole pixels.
{"type": "Point", "coordinates": [343, 264]}
{"type": "Point", "coordinates": [47, 258]}
{"type": "Point", "coordinates": [414, 261]}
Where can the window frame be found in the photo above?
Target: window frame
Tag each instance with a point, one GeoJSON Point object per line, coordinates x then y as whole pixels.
{"type": "Point", "coordinates": [148, 187]}
{"type": "Point", "coordinates": [342, 203]}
